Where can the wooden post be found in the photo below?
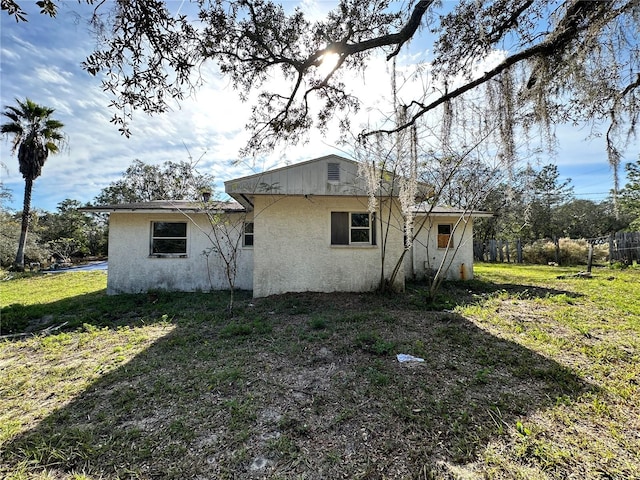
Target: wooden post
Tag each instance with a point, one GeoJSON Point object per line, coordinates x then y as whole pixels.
{"type": "Point", "coordinates": [590, 258]}
{"type": "Point", "coordinates": [556, 242]}
{"type": "Point", "coordinates": [492, 250]}
{"type": "Point", "coordinates": [611, 248]}
{"type": "Point", "coordinates": [500, 252]}
{"type": "Point", "coordinates": [519, 250]}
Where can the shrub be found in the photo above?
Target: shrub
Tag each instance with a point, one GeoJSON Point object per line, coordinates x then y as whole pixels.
{"type": "Point", "coordinates": [572, 252]}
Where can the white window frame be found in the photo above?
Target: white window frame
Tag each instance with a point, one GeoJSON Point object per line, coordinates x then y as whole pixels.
{"type": "Point", "coordinates": [246, 234]}
{"type": "Point", "coordinates": [351, 228]}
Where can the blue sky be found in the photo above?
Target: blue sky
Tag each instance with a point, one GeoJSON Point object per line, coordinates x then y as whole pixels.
{"type": "Point", "coordinates": [41, 60]}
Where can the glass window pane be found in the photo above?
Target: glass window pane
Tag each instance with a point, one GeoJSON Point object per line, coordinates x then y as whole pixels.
{"type": "Point", "coordinates": [169, 229]}
{"type": "Point", "coordinates": [248, 227]}
{"type": "Point", "coordinates": [359, 235]}
{"type": "Point", "coordinates": [444, 229]}
{"type": "Point", "coordinates": [359, 219]}
{"type": "Point", "coordinates": [166, 245]}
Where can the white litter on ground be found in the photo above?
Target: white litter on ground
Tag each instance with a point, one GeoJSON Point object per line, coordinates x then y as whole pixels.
{"type": "Point", "coordinates": [403, 357]}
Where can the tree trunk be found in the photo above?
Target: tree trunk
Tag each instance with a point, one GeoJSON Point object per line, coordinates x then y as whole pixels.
{"type": "Point", "coordinates": [26, 207]}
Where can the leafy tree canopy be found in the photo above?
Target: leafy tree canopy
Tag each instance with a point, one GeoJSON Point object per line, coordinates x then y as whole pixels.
{"type": "Point", "coordinates": [558, 61]}
{"type": "Point", "coordinates": [143, 183]}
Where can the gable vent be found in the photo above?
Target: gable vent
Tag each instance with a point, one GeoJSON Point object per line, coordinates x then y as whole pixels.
{"type": "Point", "coordinates": [333, 172]}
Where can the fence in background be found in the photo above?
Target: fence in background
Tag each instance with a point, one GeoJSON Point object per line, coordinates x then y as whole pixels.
{"type": "Point", "coordinates": [623, 247]}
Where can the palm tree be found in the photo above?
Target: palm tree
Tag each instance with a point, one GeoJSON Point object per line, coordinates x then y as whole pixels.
{"type": "Point", "coordinates": [35, 135]}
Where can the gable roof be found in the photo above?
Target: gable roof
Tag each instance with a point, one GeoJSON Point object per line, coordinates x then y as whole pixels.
{"type": "Point", "coordinates": [330, 175]}
{"type": "Point", "coordinates": [327, 175]}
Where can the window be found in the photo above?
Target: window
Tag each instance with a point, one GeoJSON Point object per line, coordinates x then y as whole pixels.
{"type": "Point", "coordinates": [248, 235]}
{"type": "Point", "coordinates": [169, 238]}
{"type": "Point", "coordinates": [353, 228]}
{"type": "Point", "coordinates": [445, 238]}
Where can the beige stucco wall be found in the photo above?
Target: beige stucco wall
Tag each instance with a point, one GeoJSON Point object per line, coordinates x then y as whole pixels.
{"type": "Point", "coordinates": [293, 251]}
{"type": "Point", "coordinates": [133, 270]}
{"type": "Point", "coordinates": [426, 255]}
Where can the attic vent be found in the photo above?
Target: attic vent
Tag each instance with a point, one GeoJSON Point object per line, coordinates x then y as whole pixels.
{"type": "Point", "coordinates": [333, 172]}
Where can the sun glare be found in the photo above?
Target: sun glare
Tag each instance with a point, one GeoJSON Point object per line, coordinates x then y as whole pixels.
{"type": "Point", "coordinates": [328, 63]}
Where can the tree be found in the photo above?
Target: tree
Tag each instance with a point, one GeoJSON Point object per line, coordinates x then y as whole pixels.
{"type": "Point", "coordinates": [142, 183]}
{"type": "Point", "coordinates": [85, 234]}
{"type": "Point", "coordinates": [546, 193]}
{"type": "Point", "coordinates": [34, 248]}
{"type": "Point", "coordinates": [573, 61]}
{"type": "Point", "coordinates": [557, 61]}
{"type": "Point", "coordinates": [507, 203]}
{"type": "Point", "coordinates": [12, 7]}
{"type": "Point", "coordinates": [586, 219]}
{"type": "Point", "coordinates": [405, 181]}
{"type": "Point", "coordinates": [630, 195]}
{"type": "Point", "coordinates": [35, 135]}
{"type": "Point", "coordinates": [225, 235]}
{"type": "Point", "coordinates": [535, 204]}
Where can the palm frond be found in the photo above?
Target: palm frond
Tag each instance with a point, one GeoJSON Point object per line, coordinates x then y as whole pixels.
{"type": "Point", "coordinates": [34, 135]}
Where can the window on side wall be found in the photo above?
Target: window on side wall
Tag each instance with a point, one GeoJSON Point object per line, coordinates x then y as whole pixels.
{"type": "Point", "coordinates": [353, 228]}
{"type": "Point", "coordinates": [169, 238]}
{"type": "Point", "coordinates": [247, 239]}
{"type": "Point", "coordinates": [445, 237]}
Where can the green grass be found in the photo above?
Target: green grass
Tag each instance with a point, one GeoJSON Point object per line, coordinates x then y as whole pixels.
{"type": "Point", "coordinates": [528, 372]}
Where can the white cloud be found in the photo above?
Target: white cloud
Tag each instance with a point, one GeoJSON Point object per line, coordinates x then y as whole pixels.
{"type": "Point", "coordinates": [53, 75]}
{"type": "Point", "coordinates": [41, 60]}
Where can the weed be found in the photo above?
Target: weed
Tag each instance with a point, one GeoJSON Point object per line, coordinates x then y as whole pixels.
{"type": "Point", "coordinates": [377, 375]}
{"type": "Point", "coordinates": [258, 326]}
{"type": "Point", "coordinates": [482, 376]}
{"type": "Point", "coordinates": [372, 343]}
{"type": "Point", "coordinates": [318, 322]}
{"type": "Point", "coordinates": [283, 446]}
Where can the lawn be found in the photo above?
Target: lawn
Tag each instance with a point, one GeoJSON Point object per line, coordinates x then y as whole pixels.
{"type": "Point", "coordinates": [528, 372]}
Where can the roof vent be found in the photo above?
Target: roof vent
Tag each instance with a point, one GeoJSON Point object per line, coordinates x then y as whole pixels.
{"type": "Point", "coordinates": [333, 172]}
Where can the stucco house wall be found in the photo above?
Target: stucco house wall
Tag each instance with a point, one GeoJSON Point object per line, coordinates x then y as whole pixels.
{"type": "Point", "coordinates": [426, 255]}
{"type": "Point", "coordinates": [293, 251]}
{"type": "Point", "coordinates": [132, 269]}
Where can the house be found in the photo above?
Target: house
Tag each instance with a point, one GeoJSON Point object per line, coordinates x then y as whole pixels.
{"type": "Point", "coordinates": [303, 227]}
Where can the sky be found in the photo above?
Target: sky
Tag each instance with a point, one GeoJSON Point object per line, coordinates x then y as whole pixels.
{"type": "Point", "coordinates": [42, 59]}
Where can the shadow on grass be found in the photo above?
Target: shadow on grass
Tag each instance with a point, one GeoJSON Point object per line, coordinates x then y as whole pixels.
{"type": "Point", "coordinates": [298, 385]}
{"type": "Point", "coordinates": [98, 309]}
{"type": "Point", "coordinates": [461, 293]}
